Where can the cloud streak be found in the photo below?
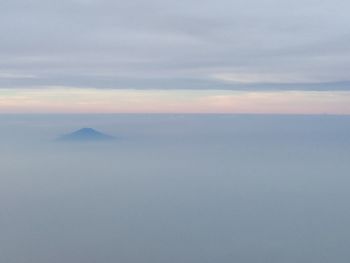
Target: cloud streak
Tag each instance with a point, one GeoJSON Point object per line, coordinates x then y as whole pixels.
{"type": "Point", "coordinates": [75, 100]}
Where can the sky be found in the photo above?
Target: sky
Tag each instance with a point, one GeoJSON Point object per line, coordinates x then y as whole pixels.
{"type": "Point", "coordinates": [251, 56]}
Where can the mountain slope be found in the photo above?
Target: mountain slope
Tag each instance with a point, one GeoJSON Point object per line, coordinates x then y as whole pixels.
{"type": "Point", "coordinates": [86, 134]}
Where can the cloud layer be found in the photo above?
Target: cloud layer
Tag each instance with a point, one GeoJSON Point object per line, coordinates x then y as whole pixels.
{"type": "Point", "coordinates": [72, 100]}
{"type": "Point", "coordinates": [168, 44]}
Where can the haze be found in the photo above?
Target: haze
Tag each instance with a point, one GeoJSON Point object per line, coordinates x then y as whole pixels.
{"type": "Point", "coordinates": [175, 188]}
{"type": "Point", "coordinates": [230, 122]}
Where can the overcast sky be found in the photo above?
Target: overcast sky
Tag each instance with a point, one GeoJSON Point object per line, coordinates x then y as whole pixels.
{"type": "Point", "coordinates": [199, 51]}
{"type": "Point", "coordinates": [172, 44]}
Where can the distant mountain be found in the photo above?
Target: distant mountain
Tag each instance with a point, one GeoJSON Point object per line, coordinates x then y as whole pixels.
{"type": "Point", "coordinates": [86, 134]}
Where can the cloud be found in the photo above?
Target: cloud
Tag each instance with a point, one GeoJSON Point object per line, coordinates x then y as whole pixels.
{"type": "Point", "coordinates": [251, 78]}
{"type": "Point", "coordinates": [170, 44]}
{"type": "Point", "coordinates": [9, 75]}
{"type": "Point", "coordinates": [78, 100]}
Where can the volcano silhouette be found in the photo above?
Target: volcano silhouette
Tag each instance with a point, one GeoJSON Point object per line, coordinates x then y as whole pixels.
{"type": "Point", "coordinates": [85, 135]}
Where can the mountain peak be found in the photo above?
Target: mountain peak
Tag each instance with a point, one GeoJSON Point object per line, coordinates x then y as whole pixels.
{"type": "Point", "coordinates": [87, 131]}
{"type": "Point", "coordinates": [86, 134]}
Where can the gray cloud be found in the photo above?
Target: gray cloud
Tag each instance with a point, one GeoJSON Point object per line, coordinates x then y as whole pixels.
{"type": "Point", "coordinates": [175, 44]}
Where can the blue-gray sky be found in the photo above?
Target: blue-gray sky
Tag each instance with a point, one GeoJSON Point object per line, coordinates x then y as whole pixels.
{"type": "Point", "coordinates": [168, 44]}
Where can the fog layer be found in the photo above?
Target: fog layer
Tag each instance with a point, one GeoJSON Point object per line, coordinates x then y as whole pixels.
{"type": "Point", "coordinates": [175, 188]}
